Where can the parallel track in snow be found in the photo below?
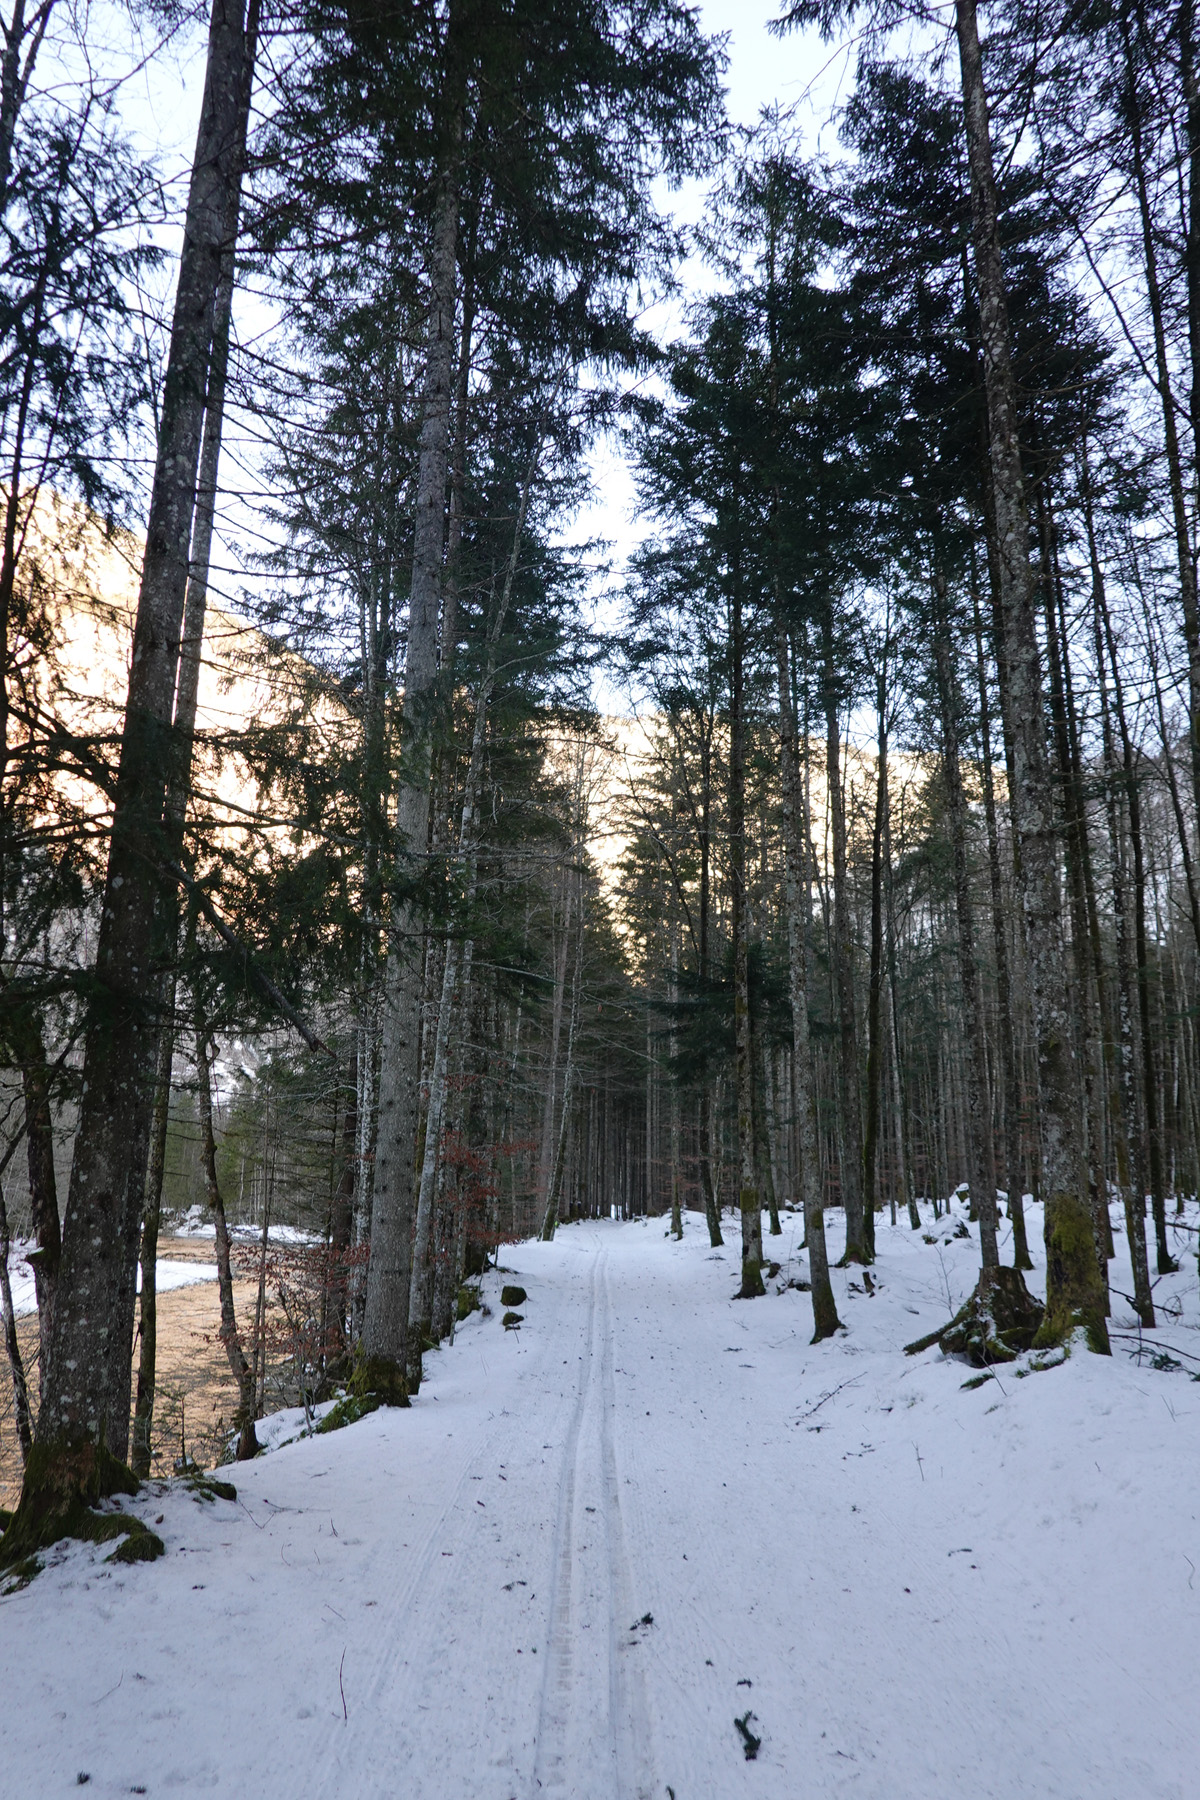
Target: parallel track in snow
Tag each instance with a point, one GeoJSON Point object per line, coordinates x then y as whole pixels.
{"type": "Point", "coordinates": [593, 1720]}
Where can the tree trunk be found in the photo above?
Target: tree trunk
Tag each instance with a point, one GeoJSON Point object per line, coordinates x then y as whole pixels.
{"type": "Point", "coordinates": [175, 816]}
{"type": "Point", "coordinates": [1074, 1291]}
{"type": "Point", "coordinates": [676, 1175]}
{"type": "Point", "coordinates": [1088, 984]}
{"type": "Point", "coordinates": [979, 1103]}
{"type": "Point", "coordinates": [876, 977]}
{"type": "Point", "coordinates": [550, 1220]}
{"type": "Point", "coordinates": [825, 1318]}
{"type": "Point", "coordinates": [83, 1428]}
{"type": "Point", "coordinates": [389, 1277]}
{"type": "Point", "coordinates": [1176, 483]}
{"type": "Point", "coordinates": [242, 1373]}
{"type": "Point", "coordinates": [24, 1034]}
{"type": "Point", "coordinates": [748, 1196]}
{"type": "Point", "coordinates": [16, 1365]}
{"type": "Point", "coordinates": [704, 1106]}
{"type": "Point", "coordinates": [1013, 1108]}
{"type": "Point", "coordinates": [857, 1249]}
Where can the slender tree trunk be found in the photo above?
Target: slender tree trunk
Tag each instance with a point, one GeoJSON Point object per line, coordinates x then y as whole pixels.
{"type": "Point", "coordinates": [550, 1221]}
{"type": "Point", "coordinates": [876, 977]}
{"type": "Point", "coordinates": [979, 1103]}
{"type": "Point", "coordinates": [1151, 1134]}
{"type": "Point", "coordinates": [749, 1201]}
{"type": "Point", "coordinates": [389, 1278]}
{"type": "Point", "coordinates": [804, 1097]}
{"type": "Point", "coordinates": [1129, 1171]}
{"type": "Point", "coordinates": [1013, 1106]}
{"type": "Point", "coordinates": [83, 1427]}
{"type": "Point", "coordinates": [857, 1249]}
{"type": "Point", "coordinates": [175, 815]}
{"type": "Point", "coordinates": [420, 1298]}
{"type": "Point", "coordinates": [676, 1173]}
{"type": "Point", "coordinates": [704, 1105]}
{"type": "Point", "coordinates": [1074, 1290]}
{"type": "Point", "coordinates": [16, 1364]}
{"type": "Point", "coordinates": [24, 1033]}
{"type": "Point", "coordinates": [1185, 561]}
{"type": "Point", "coordinates": [242, 1373]}
{"type": "Point", "coordinates": [341, 1217]}
{"type": "Point", "coordinates": [1089, 994]}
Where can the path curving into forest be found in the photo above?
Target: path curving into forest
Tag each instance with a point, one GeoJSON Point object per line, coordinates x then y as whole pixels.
{"type": "Point", "coordinates": [596, 1542]}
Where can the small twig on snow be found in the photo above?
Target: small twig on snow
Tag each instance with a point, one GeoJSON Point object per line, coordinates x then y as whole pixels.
{"type": "Point", "coordinates": [830, 1395]}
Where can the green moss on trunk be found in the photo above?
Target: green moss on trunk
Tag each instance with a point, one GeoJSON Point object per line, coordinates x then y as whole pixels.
{"type": "Point", "coordinates": [63, 1481]}
{"type": "Point", "coordinates": [752, 1282]}
{"type": "Point", "coordinates": [1074, 1289]}
{"type": "Point", "coordinates": [381, 1378]}
{"type": "Point", "coordinates": [63, 1484]}
{"type": "Point", "coordinates": [998, 1322]}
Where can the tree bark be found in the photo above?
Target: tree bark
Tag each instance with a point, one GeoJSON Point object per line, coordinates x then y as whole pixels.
{"type": "Point", "coordinates": [704, 1107]}
{"type": "Point", "coordinates": [389, 1276]}
{"type": "Point", "coordinates": [1013, 1108]}
{"type": "Point", "coordinates": [825, 1317]}
{"type": "Point", "coordinates": [1176, 483]}
{"type": "Point", "coordinates": [979, 1102]}
{"type": "Point", "coordinates": [875, 979]}
{"type": "Point", "coordinates": [857, 1249]}
{"type": "Point", "coordinates": [179, 785]}
{"type": "Point", "coordinates": [24, 1033]}
{"type": "Point", "coordinates": [87, 1399]}
{"type": "Point", "coordinates": [749, 1202]}
{"type": "Point", "coordinates": [1074, 1292]}
{"type": "Point", "coordinates": [242, 1373]}
{"type": "Point", "coordinates": [421, 1294]}
{"type": "Point", "coordinates": [16, 1364]}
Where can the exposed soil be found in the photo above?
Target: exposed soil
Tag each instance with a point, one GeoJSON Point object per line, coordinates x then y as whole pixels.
{"type": "Point", "coordinates": [196, 1394]}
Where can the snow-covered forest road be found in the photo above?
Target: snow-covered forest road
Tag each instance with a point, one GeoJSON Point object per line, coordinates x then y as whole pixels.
{"type": "Point", "coordinates": [594, 1543]}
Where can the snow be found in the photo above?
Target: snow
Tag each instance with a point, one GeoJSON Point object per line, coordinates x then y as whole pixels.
{"type": "Point", "coordinates": [197, 1222]}
{"type": "Point", "coordinates": [167, 1275]}
{"type": "Point", "coordinates": [595, 1542]}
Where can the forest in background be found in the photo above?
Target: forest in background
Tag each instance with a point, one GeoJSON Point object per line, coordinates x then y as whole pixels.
{"type": "Point", "coordinates": [904, 895]}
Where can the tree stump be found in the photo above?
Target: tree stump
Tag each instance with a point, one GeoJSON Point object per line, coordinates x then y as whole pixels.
{"type": "Point", "coordinates": [998, 1322]}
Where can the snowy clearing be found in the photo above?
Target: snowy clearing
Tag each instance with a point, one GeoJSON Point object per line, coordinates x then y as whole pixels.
{"type": "Point", "coordinates": [594, 1543]}
{"type": "Point", "coordinates": [167, 1275]}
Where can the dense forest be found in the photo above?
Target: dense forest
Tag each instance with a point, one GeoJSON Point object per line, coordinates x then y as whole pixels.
{"type": "Point", "coordinates": [879, 885]}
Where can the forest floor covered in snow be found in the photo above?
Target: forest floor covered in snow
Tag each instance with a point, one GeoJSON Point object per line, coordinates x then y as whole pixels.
{"type": "Point", "coordinates": [596, 1542]}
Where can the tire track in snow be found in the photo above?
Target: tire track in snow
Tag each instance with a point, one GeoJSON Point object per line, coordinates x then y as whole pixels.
{"type": "Point", "coordinates": [390, 1646]}
{"type": "Point", "coordinates": [593, 1733]}
{"type": "Point", "coordinates": [627, 1689]}
{"type": "Point", "coordinates": [450, 1591]}
{"type": "Point", "coordinates": [552, 1765]}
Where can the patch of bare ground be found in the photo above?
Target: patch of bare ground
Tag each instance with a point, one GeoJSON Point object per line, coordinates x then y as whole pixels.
{"type": "Point", "coordinates": [196, 1395]}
